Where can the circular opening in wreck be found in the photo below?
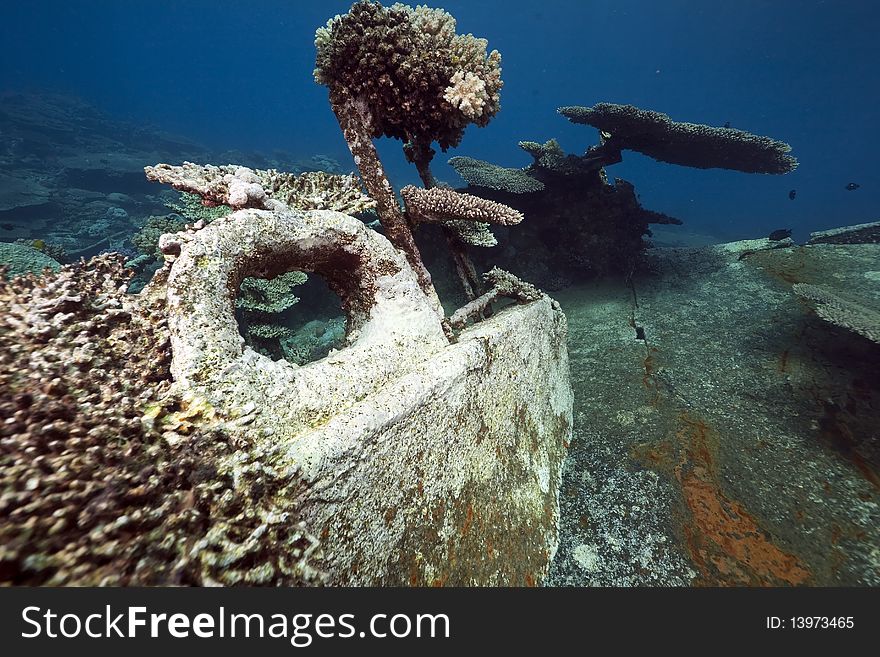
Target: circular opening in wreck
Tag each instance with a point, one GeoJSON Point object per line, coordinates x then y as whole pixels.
{"type": "Point", "coordinates": [293, 316]}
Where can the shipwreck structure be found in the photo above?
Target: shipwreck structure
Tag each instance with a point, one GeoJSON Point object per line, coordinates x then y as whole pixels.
{"type": "Point", "coordinates": [427, 450]}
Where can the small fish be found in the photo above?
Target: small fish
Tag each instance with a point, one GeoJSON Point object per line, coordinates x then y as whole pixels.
{"type": "Point", "coordinates": [792, 194]}
{"type": "Point", "coordinates": [7, 226]}
{"type": "Point", "coordinates": [853, 186]}
{"type": "Point", "coordinates": [780, 234]}
{"type": "Point", "coordinates": [727, 124]}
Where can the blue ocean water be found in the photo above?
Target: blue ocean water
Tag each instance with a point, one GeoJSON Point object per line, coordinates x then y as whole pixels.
{"type": "Point", "coordinates": [239, 75]}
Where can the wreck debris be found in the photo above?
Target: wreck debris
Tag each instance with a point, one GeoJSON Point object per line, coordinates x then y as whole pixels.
{"type": "Point", "coordinates": [504, 285]}
{"type": "Point", "coordinates": [868, 233]}
{"type": "Point", "coordinates": [388, 315]}
{"type": "Point", "coordinates": [840, 309]}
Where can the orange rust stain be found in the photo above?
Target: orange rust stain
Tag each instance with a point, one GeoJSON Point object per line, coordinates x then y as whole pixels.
{"type": "Point", "coordinates": [530, 581]}
{"type": "Point", "coordinates": [468, 519]}
{"type": "Point", "coordinates": [836, 534]}
{"type": "Point", "coordinates": [650, 365]}
{"type": "Point", "coordinates": [783, 362]}
{"type": "Point", "coordinates": [724, 534]}
{"type": "Point", "coordinates": [834, 429]}
{"type": "Point", "coordinates": [727, 545]}
{"type": "Point", "coordinates": [565, 443]}
{"type": "Point", "coordinates": [490, 551]}
{"type": "Point", "coordinates": [439, 582]}
{"type": "Point", "coordinates": [649, 368]}
{"type": "Point", "coordinates": [790, 270]}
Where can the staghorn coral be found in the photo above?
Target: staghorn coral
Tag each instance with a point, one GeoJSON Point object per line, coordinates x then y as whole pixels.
{"type": "Point", "coordinates": [106, 477]}
{"type": "Point", "coordinates": [241, 187]}
{"type": "Point", "coordinates": [478, 173]}
{"type": "Point", "coordinates": [841, 309]}
{"type": "Point", "coordinates": [687, 144]}
{"type": "Point", "coordinates": [418, 79]}
{"type": "Point", "coordinates": [464, 215]}
{"type": "Point", "coordinates": [440, 204]}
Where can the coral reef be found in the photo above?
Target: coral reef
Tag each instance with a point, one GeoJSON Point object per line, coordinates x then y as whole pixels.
{"type": "Point", "coordinates": [146, 240]}
{"type": "Point", "coordinates": [145, 441]}
{"type": "Point", "coordinates": [107, 479]}
{"type": "Point", "coordinates": [576, 219]}
{"type": "Point", "coordinates": [73, 176]}
{"type": "Point", "coordinates": [190, 207]}
{"type": "Point", "coordinates": [589, 226]}
{"type": "Point", "coordinates": [20, 259]}
{"type": "Point", "coordinates": [689, 144]}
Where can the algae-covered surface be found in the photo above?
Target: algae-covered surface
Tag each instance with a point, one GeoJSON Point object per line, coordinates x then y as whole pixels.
{"type": "Point", "coordinates": [732, 440]}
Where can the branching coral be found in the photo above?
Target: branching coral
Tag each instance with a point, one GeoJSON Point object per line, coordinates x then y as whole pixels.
{"type": "Point", "coordinates": [688, 144]}
{"type": "Point", "coordinates": [464, 215]}
{"type": "Point", "coordinates": [261, 304]}
{"type": "Point", "coordinates": [268, 189]}
{"type": "Point", "coordinates": [440, 204]}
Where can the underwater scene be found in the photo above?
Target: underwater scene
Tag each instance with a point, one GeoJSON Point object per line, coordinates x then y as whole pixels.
{"type": "Point", "coordinates": [570, 293]}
